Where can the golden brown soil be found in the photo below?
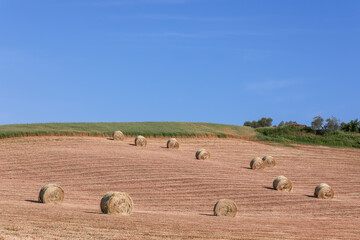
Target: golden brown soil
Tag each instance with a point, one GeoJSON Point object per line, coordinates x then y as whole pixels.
{"type": "Point", "coordinates": [174, 193]}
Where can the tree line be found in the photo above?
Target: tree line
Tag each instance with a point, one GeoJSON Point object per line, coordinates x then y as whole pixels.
{"type": "Point", "coordinates": [334, 124]}
{"type": "Point", "coordinates": [318, 124]}
{"type": "Point", "coordinates": [267, 122]}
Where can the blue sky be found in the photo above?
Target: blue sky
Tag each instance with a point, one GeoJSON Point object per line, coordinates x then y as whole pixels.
{"type": "Point", "coordinates": [223, 61]}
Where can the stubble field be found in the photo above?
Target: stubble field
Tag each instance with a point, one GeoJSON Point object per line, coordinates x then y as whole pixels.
{"type": "Point", "coordinates": [174, 193]}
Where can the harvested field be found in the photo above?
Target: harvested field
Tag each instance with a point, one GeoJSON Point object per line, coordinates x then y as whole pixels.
{"type": "Point", "coordinates": [173, 193]}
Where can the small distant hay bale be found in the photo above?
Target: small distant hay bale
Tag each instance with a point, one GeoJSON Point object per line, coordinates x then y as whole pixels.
{"type": "Point", "coordinates": [225, 207]}
{"type": "Point", "coordinates": [257, 164]}
{"type": "Point", "coordinates": [270, 161]}
{"type": "Point", "coordinates": [202, 154]}
{"type": "Point", "coordinates": [282, 183]}
{"type": "Point", "coordinates": [117, 203]}
{"type": "Point", "coordinates": [140, 141]}
{"type": "Point", "coordinates": [118, 136]}
{"type": "Point", "coordinates": [324, 191]}
{"type": "Point", "coordinates": [51, 193]}
{"type": "Point", "coordinates": [172, 143]}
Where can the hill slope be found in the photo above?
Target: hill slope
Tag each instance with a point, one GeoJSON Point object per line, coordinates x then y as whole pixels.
{"type": "Point", "coordinates": [156, 129]}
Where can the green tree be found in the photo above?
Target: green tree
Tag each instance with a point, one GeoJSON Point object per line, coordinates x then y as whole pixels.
{"type": "Point", "coordinates": [247, 123]}
{"type": "Point", "coordinates": [318, 122]}
{"type": "Point", "coordinates": [352, 126]}
{"type": "Point", "coordinates": [254, 124]}
{"type": "Point", "coordinates": [263, 122]}
{"type": "Point", "coordinates": [332, 124]}
{"type": "Point", "coordinates": [344, 126]}
{"type": "Point", "coordinates": [290, 123]}
{"type": "Point", "coordinates": [268, 122]}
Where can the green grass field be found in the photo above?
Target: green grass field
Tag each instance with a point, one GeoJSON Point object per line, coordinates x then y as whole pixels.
{"type": "Point", "coordinates": [147, 129]}
{"type": "Point", "coordinates": [293, 134]}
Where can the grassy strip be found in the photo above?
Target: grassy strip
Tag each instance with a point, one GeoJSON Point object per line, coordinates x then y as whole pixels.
{"type": "Point", "coordinates": [154, 129]}
{"type": "Point", "coordinates": [293, 134]}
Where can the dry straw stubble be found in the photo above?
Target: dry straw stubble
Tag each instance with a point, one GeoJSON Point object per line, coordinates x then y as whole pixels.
{"type": "Point", "coordinates": [140, 141]}
{"type": "Point", "coordinates": [118, 136]}
{"type": "Point", "coordinates": [172, 143]}
{"type": "Point", "coordinates": [202, 154]}
{"type": "Point", "coordinates": [116, 203]}
{"type": "Point", "coordinates": [225, 207]}
{"type": "Point", "coordinates": [269, 161]}
{"type": "Point", "coordinates": [51, 193]}
{"type": "Point", "coordinates": [282, 183]}
{"type": "Point", "coordinates": [324, 191]}
{"type": "Point", "coordinates": [257, 164]}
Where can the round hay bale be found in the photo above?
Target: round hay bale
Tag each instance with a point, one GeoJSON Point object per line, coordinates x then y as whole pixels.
{"type": "Point", "coordinates": [281, 183]}
{"type": "Point", "coordinates": [225, 207]}
{"type": "Point", "coordinates": [140, 141]}
{"type": "Point", "coordinates": [172, 143]}
{"type": "Point", "coordinates": [257, 164]}
{"type": "Point", "coordinates": [118, 136]}
{"type": "Point", "coordinates": [270, 161]}
{"type": "Point", "coordinates": [324, 191]}
{"type": "Point", "coordinates": [51, 193]}
{"type": "Point", "coordinates": [116, 203]}
{"type": "Point", "coordinates": [202, 154]}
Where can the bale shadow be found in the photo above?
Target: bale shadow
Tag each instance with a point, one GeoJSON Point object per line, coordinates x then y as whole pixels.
{"type": "Point", "coordinates": [93, 212]}
{"type": "Point", "coordinates": [270, 188]}
{"type": "Point", "coordinates": [112, 139]}
{"type": "Point", "coordinates": [32, 201]}
{"type": "Point", "coordinates": [310, 196]}
{"type": "Point", "coordinates": [206, 214]}
{"type": "Point", "coordinates": [163, 147]}
{"type": "Point", "coordinates": [247, 168]}
{"type": "Point", "coordinates": [132, 144]}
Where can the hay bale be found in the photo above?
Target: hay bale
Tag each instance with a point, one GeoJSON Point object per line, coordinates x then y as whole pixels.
{"type": "Point", "coordinates": [118, 136]}
{"type": "Point", "coordinates": [172, 143]}
{"type": "Point", "coordinates": [270, 161]}
{"type": "Point", "coordinates": [225, 207]}
{"type": "Point", "coordinates": [281, 183]}
{"type": "Point", "coordinates": [51, 193]}
{"type": "Point", "coordinates": [140, 141]}
{"type": "Point", "coordinates": [324, 191]}
{"type": "Point", "coordinates": [116, 203]}
{"type": "Point", "coordinates": [257, 164]}
{"type": "Point", "coordinates": [202, 154]}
